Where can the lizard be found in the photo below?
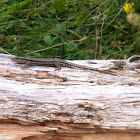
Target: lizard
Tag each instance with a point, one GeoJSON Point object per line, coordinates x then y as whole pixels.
{"type": "Point", "coordinates": [54, 62]}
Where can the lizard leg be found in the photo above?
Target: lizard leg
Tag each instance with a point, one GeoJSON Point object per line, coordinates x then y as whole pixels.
{"type": "Point", "coordinates": [58, 67]}
{"type": "Point", "coordinates": [26, 65]}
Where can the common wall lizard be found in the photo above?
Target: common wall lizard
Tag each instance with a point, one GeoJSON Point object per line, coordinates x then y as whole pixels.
{"type": "Point", "coordinates": [55, 63]}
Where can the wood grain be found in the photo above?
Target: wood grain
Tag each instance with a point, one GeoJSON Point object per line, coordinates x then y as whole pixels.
{"type": "Point", "coordinates": [39, 103]}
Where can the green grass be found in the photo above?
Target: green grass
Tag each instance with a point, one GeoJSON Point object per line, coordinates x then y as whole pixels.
{"type": "Point", "coordinates": [68, 29]}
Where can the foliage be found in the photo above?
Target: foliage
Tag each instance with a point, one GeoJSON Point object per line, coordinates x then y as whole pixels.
{"type": "Point", "coordinates": [68, 29]}
{"type": "Point", "coordinates": [129, 8]}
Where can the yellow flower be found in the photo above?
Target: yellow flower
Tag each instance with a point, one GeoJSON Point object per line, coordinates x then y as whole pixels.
{"type": "Point", "coordinates": [129, 8]}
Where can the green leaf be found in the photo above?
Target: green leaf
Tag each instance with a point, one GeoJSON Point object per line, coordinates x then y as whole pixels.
{"type": "Point", "coordinates": [16, 51]}
{"type": "Point", "coordinates": [61, 28]}
{"type": "Point", "coordinates": [71, 47]}
{"type": "Point", "coordinates": [47, 40]}
{"type": "Point", "coordinates": [59, 6]}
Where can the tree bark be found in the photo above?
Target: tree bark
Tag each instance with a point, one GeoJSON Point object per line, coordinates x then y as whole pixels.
{"type": "Point", "coordinates": [40, 103]}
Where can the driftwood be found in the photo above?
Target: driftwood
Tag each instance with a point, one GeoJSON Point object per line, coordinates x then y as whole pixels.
{"type": "Point", "coordinates": [39, 103]}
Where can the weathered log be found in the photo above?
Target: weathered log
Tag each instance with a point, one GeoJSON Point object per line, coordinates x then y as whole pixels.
{"type": "Point", "coordinates": [39, 103]}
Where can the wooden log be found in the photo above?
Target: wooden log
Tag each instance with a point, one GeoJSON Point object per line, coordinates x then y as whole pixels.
{"type": "Point", "coordinates": [39, 103]}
